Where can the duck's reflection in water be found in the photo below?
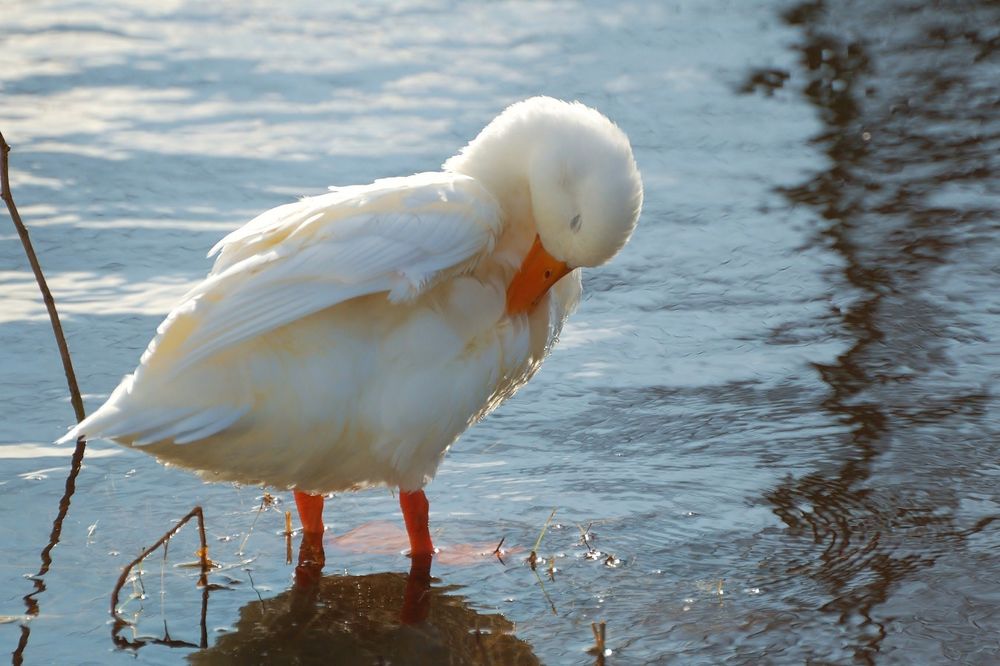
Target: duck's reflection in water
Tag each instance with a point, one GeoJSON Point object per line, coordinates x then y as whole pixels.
{"type": "Point", "coordinates": [388, 618]}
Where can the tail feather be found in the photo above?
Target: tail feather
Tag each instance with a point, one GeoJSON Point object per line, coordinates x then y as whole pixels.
{"type": "Point", "coordinates": [192, 427]}
{"type": "Point", "coordinates": [218, 424]}
{"type": "Point", "coordinates": [125, 419]}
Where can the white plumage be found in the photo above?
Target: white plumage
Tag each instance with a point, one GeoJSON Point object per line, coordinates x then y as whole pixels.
{"type": "Point", "coordinates": [348, 339]}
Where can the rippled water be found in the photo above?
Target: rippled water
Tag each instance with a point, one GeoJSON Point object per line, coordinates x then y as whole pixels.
{"type": "Point", "coordinates": [774, 415]}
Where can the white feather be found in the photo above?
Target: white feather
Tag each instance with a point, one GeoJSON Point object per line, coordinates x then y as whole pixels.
{"type": "Point", "coordinates": [396, 236]}
{"type": "Point", "coordinates": [348, 339]}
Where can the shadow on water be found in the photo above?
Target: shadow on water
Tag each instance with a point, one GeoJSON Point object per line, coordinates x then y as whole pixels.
{"type": "Point", "coordinates": [891, 509]}
{"type": "Point", "coordinates": [386, 617]}
{"type": "Point", "coordinates": [371, 619]}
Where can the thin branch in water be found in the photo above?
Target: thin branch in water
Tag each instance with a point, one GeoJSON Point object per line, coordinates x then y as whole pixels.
{"type": "Point", "coordinates": [499, 552]}
{"type": "Point", "coordinates": [30, 602]}
{"type": "Point", "coordinates": [204, 563]}
{"type": "Point", "coordinates": [600, 634]}
{"type": "Point", "coordinates": [585, 537]}
{"type": "Point", "coordinates": [50, 303]}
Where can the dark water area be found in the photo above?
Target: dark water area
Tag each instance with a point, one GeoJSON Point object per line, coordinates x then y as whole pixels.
{"type": "Point", "coordinates": [771, 433]}
{"type": "Point", "coordinates": [900, 536]}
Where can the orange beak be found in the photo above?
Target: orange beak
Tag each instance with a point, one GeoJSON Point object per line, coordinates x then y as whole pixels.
{"type": "Point", "coordinates": [538, 272]}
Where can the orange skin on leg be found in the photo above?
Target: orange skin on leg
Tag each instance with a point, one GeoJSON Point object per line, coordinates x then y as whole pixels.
{"type": "Point", "coordinates": [416, 511]}
{"type": "Point", "coordinates": [311, 554]}
{"type": "Point", "coordinates": [310, 511]}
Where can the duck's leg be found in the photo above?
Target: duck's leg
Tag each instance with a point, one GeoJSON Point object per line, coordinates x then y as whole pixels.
{"type": "Point", "coordinates": [310, 511]}
{"type": "Point", "coordinates": [416, 511]}
{"type": "Point", "coordinates": [311, 555]}
{"type": "Point", "coordinates": [416, 600]}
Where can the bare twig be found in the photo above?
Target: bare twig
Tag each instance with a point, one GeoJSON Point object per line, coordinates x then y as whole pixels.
{"type": "Point", "coordinates": [204, 564]}
{"type": "Point", "coordinates": [599, 649]}
{"type": "Point", "coordinates": [599, 630]}
{"type": "Point", "coordinates": [74, 393]}
{"type": "Point", "coordinates": [202, 557]}
{"type": "Point", "coordinates": [50, 304]}
{"type": "Point", "coordinates": [585, 537]}
{"type": "Point", "coordinates": [498, 552]}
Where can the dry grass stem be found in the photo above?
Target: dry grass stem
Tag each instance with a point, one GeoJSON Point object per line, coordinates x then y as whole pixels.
{"type": "Point", "coordinates": [265, 501]}
{"type": "Point", "coordinates": [552, 605]}
{"type": "Point", "coordinates": [533, 556]}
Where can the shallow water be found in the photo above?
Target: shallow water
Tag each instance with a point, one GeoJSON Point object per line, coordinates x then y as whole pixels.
{"type": "Point", "coordinates": [775, 412]}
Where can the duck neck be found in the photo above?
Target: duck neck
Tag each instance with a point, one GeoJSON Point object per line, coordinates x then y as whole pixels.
{"type": "Point", "coordinates": [500, 162]}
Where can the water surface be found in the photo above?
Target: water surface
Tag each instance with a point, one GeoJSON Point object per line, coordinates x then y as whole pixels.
{"type": "Point", "coordinates": [774, 415]}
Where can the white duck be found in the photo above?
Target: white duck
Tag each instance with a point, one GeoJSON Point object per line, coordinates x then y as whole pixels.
{"type": "Point", "coordinates": [348, 339]}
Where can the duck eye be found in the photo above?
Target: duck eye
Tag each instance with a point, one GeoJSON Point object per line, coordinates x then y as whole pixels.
{"type": "Point", "coordinates": [548, 273]}
{"type": "Point", "coordinates": [574, 224]}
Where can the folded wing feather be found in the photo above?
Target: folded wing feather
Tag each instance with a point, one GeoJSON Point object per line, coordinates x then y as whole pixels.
{"type": "Point", "coordinates": [396, 236]}
{"type": "Point", "coordinates": [399, 236]}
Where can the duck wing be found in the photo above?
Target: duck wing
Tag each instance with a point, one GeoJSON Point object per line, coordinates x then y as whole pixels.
{"type": "Point", "coordinates": [397, 236]}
